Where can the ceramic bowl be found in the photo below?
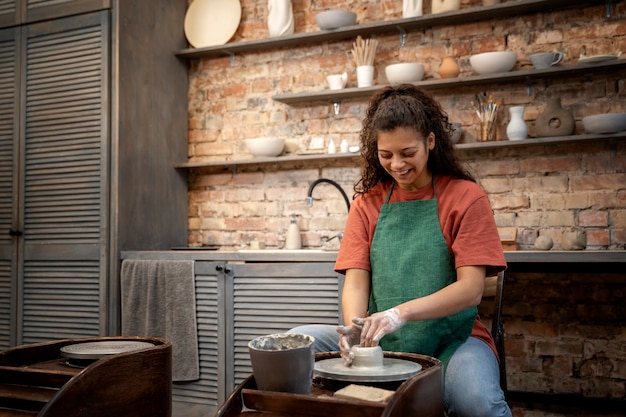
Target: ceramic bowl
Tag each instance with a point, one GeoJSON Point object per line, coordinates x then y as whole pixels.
{"type": "Point", "coordinates": [367, 357]}
{"type": "Point", "coordinates": [605, 123]}
{"type": "Point", "coordinates": [493, 62]}
{"type": "Point", "coordinates": [333, 19]}
{"type": "Point", "coordinates": [265, 146]}
{"type": "Point", "coordinates": [404, 72]}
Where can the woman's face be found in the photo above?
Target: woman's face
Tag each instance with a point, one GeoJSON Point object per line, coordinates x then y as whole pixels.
{"type": "Point", "coordinates": [403, 153]}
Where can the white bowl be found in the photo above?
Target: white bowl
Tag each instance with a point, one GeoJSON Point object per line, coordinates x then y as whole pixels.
{"type": "Point", "coordinates": [265, 146]}
{"type": "Point", "coordinates": [605, 123]}
{"type": "Point", "coordinates": [493, 62]}
{"type": "Point", "coordinates": [404, 72]}
{"type": "Point", "coordinates": [333, 19]}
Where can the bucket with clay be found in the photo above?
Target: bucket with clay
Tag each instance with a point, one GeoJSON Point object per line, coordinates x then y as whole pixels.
{"type": "Point", "coordinates": [283, 362]}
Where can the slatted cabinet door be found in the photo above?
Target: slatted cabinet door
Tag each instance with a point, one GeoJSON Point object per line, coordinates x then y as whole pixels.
{"type": "Point", "coordinates": [9, 101]}
{"type": "Point", "coordinates": [64, 183]}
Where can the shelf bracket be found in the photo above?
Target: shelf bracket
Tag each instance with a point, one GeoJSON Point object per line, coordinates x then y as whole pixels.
{"type": "Point", "coordinates": [232, 59]}
{"type": "Point", "coordinates": [609, 8]}
{"type": "Point", "coordinates": [233, 170]}
{"type": "Point", "coordinates": [336, 107]}
{"type": "Point", "coordinates": [402, 36]}
{"type": "Point", "coordinates": [529, 86]}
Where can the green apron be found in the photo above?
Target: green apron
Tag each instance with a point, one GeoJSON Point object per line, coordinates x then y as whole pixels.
{"type": "Point", "coordinates": [410, 259]}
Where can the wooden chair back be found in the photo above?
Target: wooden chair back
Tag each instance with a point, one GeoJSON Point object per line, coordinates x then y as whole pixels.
{"type": "Point", "coordinates": [494, 291]}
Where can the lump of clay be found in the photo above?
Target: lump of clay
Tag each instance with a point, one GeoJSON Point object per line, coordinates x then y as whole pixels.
{"type": "Point", "coordinates": [574, 239]}
{"type": "Point", "coordinates": [544, 242]}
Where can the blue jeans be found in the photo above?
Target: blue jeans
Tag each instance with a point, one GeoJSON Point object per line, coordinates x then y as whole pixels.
{"type": "Point", "coordinates": [472, 379]}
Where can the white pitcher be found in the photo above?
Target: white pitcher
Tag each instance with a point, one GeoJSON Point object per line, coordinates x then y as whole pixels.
{"type": "Point", "coordinates": [516, 129]}
{"type": "Point", "coordinates": [279, 17]}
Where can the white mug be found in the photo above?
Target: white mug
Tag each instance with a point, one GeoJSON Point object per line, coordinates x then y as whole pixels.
{"type": "Point", "coordinates": [544, 60]}
{"type": "Point", "coordinates": [337, 81]}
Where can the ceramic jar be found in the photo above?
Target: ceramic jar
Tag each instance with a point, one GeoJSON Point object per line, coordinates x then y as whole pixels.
{"type": "Point", "coordinates": [440, 6]}
{"type": "Point", "coordinates": [411, 8]}
{"type": "Point", "coordinates": [279, 17]}
{"type": "Point", "coordinates": [516, 129]}
{"type": "Point", "coordinates": [449, 68]}
{"type": "Point", "coordinates": [554, 120]}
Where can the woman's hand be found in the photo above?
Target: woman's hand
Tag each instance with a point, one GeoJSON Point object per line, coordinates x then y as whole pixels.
{"type": "Point", "coordinates": [378, 325]}
{"type": "Point", "coordinates": [348, 337]}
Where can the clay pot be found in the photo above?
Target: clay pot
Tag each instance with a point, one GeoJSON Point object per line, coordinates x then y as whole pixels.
{"type": "Point", "coordinates": [449, 68]}
{"type": "Point", "coordinates": [441, 6]}
{"type": "Point", "coordinates": [574, 239]}
{"type": "Point", "coordinates": [544, 242]}
{"type": "Point", "coordinates": [554, 120]}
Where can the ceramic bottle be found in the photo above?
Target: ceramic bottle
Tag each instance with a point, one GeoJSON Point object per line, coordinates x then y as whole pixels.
{"type": "Point", "coordinates": [448, 68]}
{"type": "Point", "coordinates": [554, 120]}
{"type": "Point", "coordinates": [293, 239]}
{"type": "Point", "coordinates": [279, 17]}
{"type": "Point", "coordinates": [516, 129]}
{"type": "Point", "coordinates": [440, 6]}
{"type": "Point", "coordinates": [411, 8]}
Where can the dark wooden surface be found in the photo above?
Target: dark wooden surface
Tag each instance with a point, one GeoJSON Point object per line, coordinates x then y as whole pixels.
{"type": "Point", "coordinates": [421, 394]}
{"type": "Point", "coordinates": [37, 382]}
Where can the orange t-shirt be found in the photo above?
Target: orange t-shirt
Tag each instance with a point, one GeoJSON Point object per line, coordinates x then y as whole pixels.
{"type": "Point", "coordinates": [466, 221]}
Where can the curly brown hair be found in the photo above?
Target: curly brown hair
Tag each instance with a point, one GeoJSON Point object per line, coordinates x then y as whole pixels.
{"type": "Point", "coordinates": [406, 106]}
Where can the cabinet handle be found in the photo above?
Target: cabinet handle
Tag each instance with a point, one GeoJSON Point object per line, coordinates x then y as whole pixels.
{"type": "Point", "coordinates": [218, 268]}
{"type": "Point", "coordinates": [227, 270]}
{"type": "Point", "coordinates": [15, 233]}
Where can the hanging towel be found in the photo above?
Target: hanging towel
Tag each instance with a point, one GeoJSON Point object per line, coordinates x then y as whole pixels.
{"type": "Point", "coordinates": [158, 300]}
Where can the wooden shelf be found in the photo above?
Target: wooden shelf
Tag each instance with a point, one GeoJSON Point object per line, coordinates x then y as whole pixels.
{"type": "Point", "coordinates": [221, 165]}
{"type": "Point", "coordinates": [526, 76]}
{"type": "Point", "coordinates": [400, 26]}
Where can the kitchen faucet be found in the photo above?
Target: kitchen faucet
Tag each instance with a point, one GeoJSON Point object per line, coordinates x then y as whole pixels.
{"type": "Point", "coordinates": [309, 198]}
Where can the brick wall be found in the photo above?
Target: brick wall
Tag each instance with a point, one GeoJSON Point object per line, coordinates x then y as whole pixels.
{"type": "Point", "coordinates": [538, 189]}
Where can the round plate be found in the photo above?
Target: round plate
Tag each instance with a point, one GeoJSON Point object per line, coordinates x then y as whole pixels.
{"type": "Point", "coordinates": [97, 350]}
{"type": "Point", "coordinates": [392, 370]}
{"type": "Point", "coordinates": [211, 22]}
{"type": "Point", "coordinates": [596, 58]}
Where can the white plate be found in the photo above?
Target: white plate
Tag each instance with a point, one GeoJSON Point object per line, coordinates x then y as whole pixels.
{"type": "Point", "coordinates": [211, 22]}
{"type": "Point", "coordinates": [393, 369]}
{"type": "Point", "coordinates": [97, 350]}
{"type": "Point", "coordinates": [596, 58]}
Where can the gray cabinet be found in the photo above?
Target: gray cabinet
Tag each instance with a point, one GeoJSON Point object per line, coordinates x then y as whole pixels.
{"type": "Point", "coordinates": [88, 133]}
{"type": "Point", "coordinates": [236, 302]}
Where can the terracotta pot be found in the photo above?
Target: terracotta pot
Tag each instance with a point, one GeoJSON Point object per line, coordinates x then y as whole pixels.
{"type": "Point", "coordinates": [554, 120]}
{"type": "Point", "coordinates": [441, 6]}
{"type": "Point", "coordinates": [449, 68]}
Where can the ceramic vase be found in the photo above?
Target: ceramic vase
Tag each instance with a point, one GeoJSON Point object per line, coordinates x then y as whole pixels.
{"type": "Point", "coordinates": [411, 8]}
{"type": "Point", "coordinates": [279, 17]}
{"type": "Point", "coordinates": [516, 129]}
{"type": "Point", "coordinates": [554, 120]}
{"type": "Point", "coordinates": [449, 68]}
{"type": "Point", "coordinates": [440, 6]}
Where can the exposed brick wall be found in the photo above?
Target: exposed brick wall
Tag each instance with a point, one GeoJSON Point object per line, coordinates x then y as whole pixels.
{"type": "Point", "coordinates": [537, 189]}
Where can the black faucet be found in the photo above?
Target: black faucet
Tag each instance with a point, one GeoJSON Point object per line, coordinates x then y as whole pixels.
{"type": "Point", "coordinates": [309, 198]}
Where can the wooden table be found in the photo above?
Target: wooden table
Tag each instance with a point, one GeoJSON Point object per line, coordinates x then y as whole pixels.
{"type": "Point", "coordinates": [35, 380]}
{"type": "Point", "coordinates": [421, 394]}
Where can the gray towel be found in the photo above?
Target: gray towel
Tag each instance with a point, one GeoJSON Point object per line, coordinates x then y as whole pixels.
{"type": "Point", "coordinates": [158, 300]}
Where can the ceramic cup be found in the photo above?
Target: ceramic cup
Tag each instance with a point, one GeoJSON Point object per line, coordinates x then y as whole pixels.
{"type": "Point", "coordinates": [337, 81]}
{"type": "Point", "coordinates": [365, 75]}
{"type": "Point", "coordinates": [283, 362]}
{"type": "Point", "coordinates": [544, 60]}
{"type": "Point", "coordinates": [367, 357]}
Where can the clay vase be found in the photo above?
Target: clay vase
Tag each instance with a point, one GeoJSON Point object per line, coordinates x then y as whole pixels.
{"type": "Point", "coordinates": [411, 8]}
{"type": "Point", "coordinates": [574, 239]}
{"type": "Point", "coordinates": [516, 129]}
{"type": "Point", "coordinates": [279, 17]}
{"type": "Point", "coordinates": [440, 6]}
{"type": "Point", "coordinates": [554, 120]}
{"type": "Point", "coordinates": [449, 68]}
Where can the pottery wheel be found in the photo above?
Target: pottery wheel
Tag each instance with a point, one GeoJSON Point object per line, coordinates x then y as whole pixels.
{"type": "Point", "coordinates": [97, 350]}
{"type": "Point", "coordinates": [393, 369]}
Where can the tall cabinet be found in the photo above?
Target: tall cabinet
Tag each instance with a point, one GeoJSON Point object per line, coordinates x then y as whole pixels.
{"type": "Point", "coordinates": [92, 117]}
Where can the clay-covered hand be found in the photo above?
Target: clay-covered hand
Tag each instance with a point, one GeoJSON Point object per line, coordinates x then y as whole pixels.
{"type": "Point", "coordinates": [378, 325]}
{"type": "Point", "coordinates": [348, 336]}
